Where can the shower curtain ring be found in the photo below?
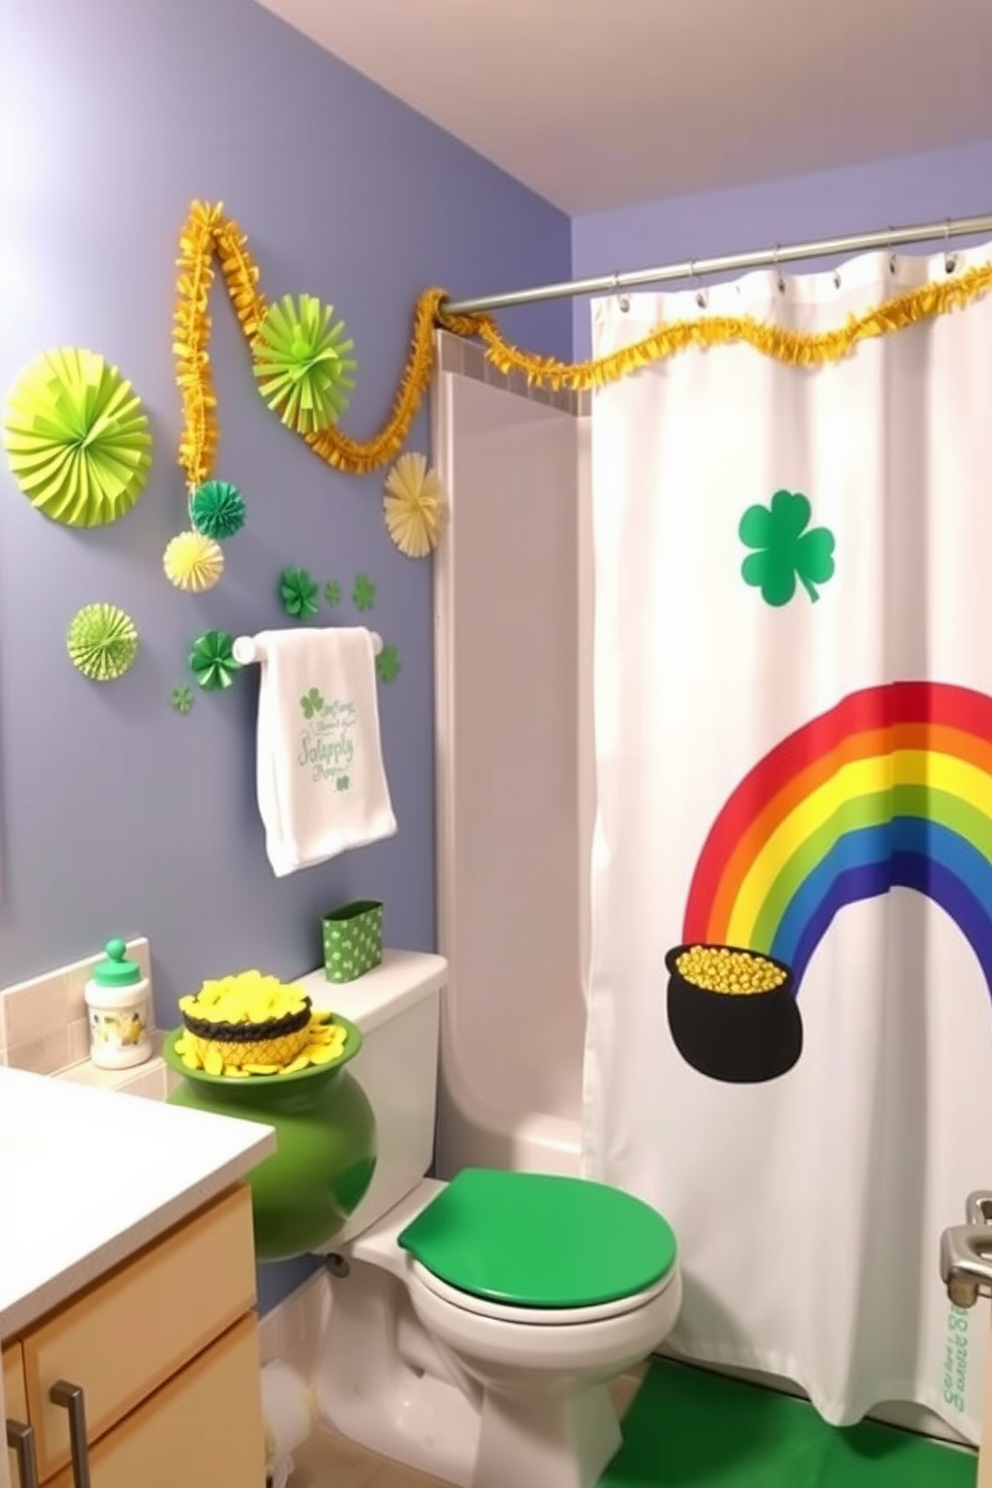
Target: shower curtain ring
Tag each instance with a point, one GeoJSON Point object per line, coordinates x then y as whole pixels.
{"type": "Point", "coordinates": [700, 292]}
{"type": "Point", "coordinates": [950, 259]}
{"type": "Point", "coordinates": [622, 299]}
{"type": "Point", "coordinates": [892, 252]}
{"type": "Point", "coordinates": [780, 281]}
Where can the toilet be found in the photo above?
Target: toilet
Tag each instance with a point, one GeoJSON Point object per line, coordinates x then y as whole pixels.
{"type": "Point", "coordinates": [472, 1327]}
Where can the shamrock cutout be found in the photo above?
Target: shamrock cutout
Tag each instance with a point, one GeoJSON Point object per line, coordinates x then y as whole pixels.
{"type": "Point", "coordinates": [332, 593]}
{"type": "Point", "coordinates": [182, 699]}
{"type": "Point", "coordinates": [785, 550]}
{"type": "Point", "coordinates": [342, 783]}
{"type": "Point", "coordinates": [298, 593]}
{"type": "Point", "coordinates": [387, 664]}
{"type": "Point", "coordinates": [363, 594]}
{"type": "Point", "coordinates": [312, 703]}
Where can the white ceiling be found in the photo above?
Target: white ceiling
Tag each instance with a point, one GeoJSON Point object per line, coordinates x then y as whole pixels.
{"type": "Point", "coordinates": [598, 104]}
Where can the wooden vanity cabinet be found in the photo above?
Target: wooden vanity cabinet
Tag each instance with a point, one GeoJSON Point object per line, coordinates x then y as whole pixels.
{"type": "Point", "coordinates": [15, 1405]}
{"type": "Point", "coordinates": [150, 1377]}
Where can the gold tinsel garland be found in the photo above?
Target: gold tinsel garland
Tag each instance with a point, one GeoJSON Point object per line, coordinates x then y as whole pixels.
{"type": "Point", "coordinates": [208, 233]}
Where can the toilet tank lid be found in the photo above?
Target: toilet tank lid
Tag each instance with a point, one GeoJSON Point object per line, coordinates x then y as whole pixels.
{"type": "Point", "coordinates": [401, 979]}
{"type": "Point", "coordinates": [540, 1240]}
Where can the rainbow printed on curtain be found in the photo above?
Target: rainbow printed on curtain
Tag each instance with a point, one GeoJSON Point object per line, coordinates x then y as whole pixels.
{"type": "Point", "coordinates": [891, 788]}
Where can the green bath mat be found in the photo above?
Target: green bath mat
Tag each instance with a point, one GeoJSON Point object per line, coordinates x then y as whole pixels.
{"type": "Point", "coordinates": [688, 1428]}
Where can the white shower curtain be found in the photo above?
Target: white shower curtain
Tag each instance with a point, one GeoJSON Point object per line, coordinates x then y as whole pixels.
{"type": "Point", "coordinates": [793, 721]}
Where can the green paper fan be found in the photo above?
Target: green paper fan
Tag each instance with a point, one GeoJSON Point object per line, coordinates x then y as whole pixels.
{"type": "Point", "coordinates": [102, 642]}
{"type": "Point", "coordinates": [212, 660]}
{"type": "Point", "coordinates": [302, 364]}
{"type": "Point", "coordinates": [218, 510]}
{"type": "Point", "coordinates": [77, 438]}
{"type": "Point", "coordinates": [298, 593]}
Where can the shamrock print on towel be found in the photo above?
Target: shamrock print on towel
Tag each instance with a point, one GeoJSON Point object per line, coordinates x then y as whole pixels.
{"type": "Point", "coordinates": [312, 703]}
{"type": "Point", "coordinates": [786, 549]}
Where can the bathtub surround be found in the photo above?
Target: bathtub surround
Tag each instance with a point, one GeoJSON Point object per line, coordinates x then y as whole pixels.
{"type": "Point", "coordinates": [510, 667]}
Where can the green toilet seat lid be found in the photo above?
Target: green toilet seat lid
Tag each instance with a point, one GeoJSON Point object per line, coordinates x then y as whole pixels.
{"type": "Point", "coordinates": [537, 1240]}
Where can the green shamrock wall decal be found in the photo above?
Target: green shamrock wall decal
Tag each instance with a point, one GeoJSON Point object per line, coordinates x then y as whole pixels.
{"type": "Point", "coordinates": [387, 664]}
{"type": "Point", "coordinates": [785, 549]}
{"type": "Point", "coordinates": [332, 593]}
{"type": "Point", "coordinates": [363, 594]}
{"type": "Point", "coordinates": [182, 698]}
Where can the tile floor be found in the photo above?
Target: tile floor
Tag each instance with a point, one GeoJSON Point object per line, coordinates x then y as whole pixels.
{"type": "Point", "coordinates": [329, 1460]}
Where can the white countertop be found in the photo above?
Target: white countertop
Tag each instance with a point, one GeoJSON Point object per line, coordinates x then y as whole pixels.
{"type": "Point", "coordinates": [87, 1177]}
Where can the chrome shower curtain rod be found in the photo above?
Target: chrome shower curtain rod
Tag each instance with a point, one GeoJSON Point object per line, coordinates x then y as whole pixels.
{"type": "Point", "coordinates": [763, 258]}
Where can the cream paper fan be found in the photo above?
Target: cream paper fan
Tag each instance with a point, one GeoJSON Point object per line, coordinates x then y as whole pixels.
{"type": "Point", "coordinates": [414, 506]}
{"type": "Point", "coordinates": [193, 562]}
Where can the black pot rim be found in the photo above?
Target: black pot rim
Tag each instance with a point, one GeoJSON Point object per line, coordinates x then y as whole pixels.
{"type": "Point", "coordinates": [250, 1033]}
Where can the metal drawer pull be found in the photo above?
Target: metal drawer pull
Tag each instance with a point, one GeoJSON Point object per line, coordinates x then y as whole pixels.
{"type": "Point", "coordinates": [72, 1399]}
{"type": "Point", "coordinates": [20, 1440]}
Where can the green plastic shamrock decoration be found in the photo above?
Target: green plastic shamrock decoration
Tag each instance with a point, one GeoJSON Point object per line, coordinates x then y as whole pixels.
{"type": "Point", "coordinates": [182, 698]}
{"type": "Point", "coordinates": [785, 549]}
{"type": "Point", "coordinates": [312, 703]}
{"type": "Point", "coordinates": [332, 593]}
{"type": "Point", "coordinates": [387, 664]}
{"type": "Point", "coordinates": [363, 594]}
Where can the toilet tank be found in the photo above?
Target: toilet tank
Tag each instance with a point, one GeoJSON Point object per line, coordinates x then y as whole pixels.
{"type": "Point", "coordinates": [397, 1007]}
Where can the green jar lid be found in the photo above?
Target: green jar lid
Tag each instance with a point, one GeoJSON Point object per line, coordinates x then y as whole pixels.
{"type": "Point", "coordinates": [117, 970]}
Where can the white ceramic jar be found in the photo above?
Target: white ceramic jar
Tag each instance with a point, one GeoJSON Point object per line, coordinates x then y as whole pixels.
{"type": "Point", "coordinates": [119, 1003]}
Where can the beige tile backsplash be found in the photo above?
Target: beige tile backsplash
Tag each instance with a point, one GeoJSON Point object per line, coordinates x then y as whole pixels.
{"type": "Point", "coordinates": [43, 1025]}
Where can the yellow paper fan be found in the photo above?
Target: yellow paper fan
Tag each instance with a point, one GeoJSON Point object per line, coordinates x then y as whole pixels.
{"type": "Point", "coordinates": [414, 506]}
{"type": "Point", "coordinates": [193, 562]}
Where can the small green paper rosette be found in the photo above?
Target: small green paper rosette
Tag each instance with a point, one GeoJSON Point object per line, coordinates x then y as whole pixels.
{"type": "Point", "coordinates": [299, 593]}
{"type": "Point", "coordinates": [102, 642]}
{"type": "Point", "coordinates": [303, 364]}
{"type": "Point", "coordinates": [78, 441]}
{"type": "Point", "coordinates": [217, 509]}
{"type": "Point", "coordinates": [212, 660]}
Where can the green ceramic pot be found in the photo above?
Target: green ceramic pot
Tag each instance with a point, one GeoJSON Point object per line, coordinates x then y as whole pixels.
{"type": "Point", "coordinates": [323, 1165]}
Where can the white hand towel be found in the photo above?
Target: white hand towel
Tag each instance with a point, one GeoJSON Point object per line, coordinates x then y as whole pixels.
{"type": "Point", "coordinates": [321, 781]}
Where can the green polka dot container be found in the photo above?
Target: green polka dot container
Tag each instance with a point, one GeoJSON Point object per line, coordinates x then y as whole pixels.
{"type": "Point", "coordinates": [352, 940]}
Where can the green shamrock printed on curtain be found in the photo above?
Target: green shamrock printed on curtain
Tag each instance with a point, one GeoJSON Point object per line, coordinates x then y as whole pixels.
{"type": "Point", "coordinates": [786, 548]}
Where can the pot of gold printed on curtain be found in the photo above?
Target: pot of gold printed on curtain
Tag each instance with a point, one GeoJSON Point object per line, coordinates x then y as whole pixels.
{"type": "Point", "coordinates": [889, 789]}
